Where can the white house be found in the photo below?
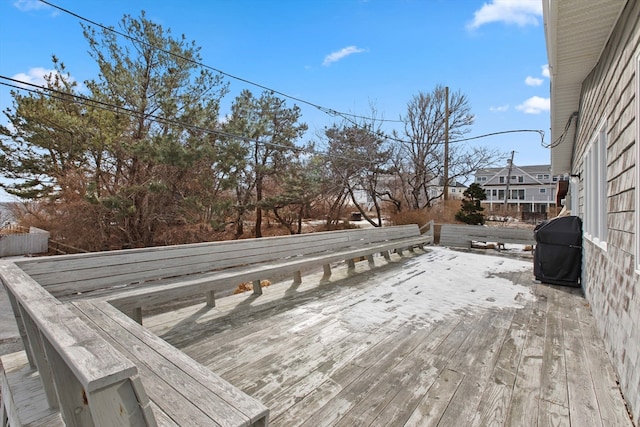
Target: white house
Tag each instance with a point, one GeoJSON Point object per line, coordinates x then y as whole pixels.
{"type": "Point", "coordinates": [594, 61]}
{"type": "Point", "coordinates": [524, 188]}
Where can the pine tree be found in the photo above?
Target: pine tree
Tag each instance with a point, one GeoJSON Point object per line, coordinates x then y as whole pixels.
{"type": "Point", "coordinates": [471, 211]}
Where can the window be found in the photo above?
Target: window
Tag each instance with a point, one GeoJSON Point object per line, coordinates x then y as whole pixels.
{"type": "Point", "coordinates": [555, 179]}
{"type": "Point", "coordinates": [502, 180]}
{"type": "Point", "coordinates": [595, 201]}
{"type": "Point", "coordinates": [501, 194]}
{"type": "Point", "coordinates": [494, 193]}
{"type": "Point", "coordinates": [543, 190]}
{"type": "Point", "coordinates": [482, 179]}
{"type": "Point", "coordinates": [539, 176]}
{"type": "Point", "coordinates": [516, 194]}
{"type": "Point", "coordinates": [521, 179]}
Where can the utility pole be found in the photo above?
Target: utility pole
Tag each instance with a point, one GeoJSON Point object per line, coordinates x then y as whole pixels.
{"type": "Point", "coordinates": [446, 143]}
{"type": "Point", "coordinates": [506, 191]}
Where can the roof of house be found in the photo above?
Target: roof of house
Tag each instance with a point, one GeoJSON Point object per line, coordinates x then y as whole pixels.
{"type": "Point", "coordinates": [528, 169]}
{"type": "Point", "coordinates": [576, 33]}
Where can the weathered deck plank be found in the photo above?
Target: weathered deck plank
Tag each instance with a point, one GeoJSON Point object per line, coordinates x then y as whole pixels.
{"type": "Point", "coordinates": [293, 349]}
{"type": "Point", "coordinates": [496, 398]}
{"type": "Point", "coordinates": [553, 409]}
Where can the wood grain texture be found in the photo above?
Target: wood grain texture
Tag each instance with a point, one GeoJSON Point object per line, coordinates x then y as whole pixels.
{"type": "Point", "coordinates": [498, 367]}
{"type": "Point", "coordinates": [168, 374]}
{"type": "Point", "coordinates": [23, 398]}
{"type": "Point", "coordinates": [455, 235]}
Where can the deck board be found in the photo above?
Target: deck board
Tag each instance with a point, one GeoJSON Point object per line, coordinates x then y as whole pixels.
{"type": "Point", "coordinates": [296, 349]}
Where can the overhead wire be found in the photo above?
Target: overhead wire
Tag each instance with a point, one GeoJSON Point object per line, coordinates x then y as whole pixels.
{"type": "Point", "coordinates": [63, 96]}
{"type": "Point", "coordinates": [564, 133]}
{"type": "Point", "coordinates": [328, 111]}
{"type": "Point", "coordinates": [325, 110]}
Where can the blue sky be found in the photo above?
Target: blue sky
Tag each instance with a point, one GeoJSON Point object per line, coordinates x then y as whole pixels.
{"type": "Point", "coordinates": [345, 55]}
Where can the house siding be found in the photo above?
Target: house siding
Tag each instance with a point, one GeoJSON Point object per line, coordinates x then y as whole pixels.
{"type": "Point", "coordinates": [610, 282]}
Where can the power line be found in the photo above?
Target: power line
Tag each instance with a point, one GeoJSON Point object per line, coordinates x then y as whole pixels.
{"type": "Point", "coordinates": [563, 135]}
{"type": "Point", "coordinates": [538, 131]}
{"type": "Point", "coordinates": [347, 116]}
{"type": "Point", "coordinates": [325, 110]}
{"type": "Point", "coordinates": [328, 111]}
{"type": "Point", "coordinates": [64, 96]}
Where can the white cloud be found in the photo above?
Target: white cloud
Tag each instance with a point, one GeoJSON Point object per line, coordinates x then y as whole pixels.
{"type": "Point", "coordinates": [499, 109]}
{"type": "Point", "coordinates": [545, 70]}
{"type": "Point", "coordinates": [534, 105]}
{"type": "Point", "coordinates": [34, 76]}
{"type": "Point", "coordinates": [519, 12]}
{"type": "Point", "coordinates": [27, 5]}
{"type": "Point", "coordinates": [342, 53]}
{"type": "Point", "coordinates": [533, 81]}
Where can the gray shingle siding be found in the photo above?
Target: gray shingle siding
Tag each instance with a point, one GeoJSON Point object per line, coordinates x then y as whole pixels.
{"type": "Point", "coordinates": [610, 279]}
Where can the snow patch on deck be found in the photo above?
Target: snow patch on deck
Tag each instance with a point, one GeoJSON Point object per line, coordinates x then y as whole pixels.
{"type": "Point", "coordinates": [438, 284]}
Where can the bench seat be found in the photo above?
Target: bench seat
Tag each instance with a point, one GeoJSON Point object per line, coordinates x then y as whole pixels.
{"type": "Point", "coordinates": [87, 362]}
{"type": "Point", "coordinates": [458, 235]}
{"type": "Point", "coordinates": [130, 301]}
{"type": "Point", "coordinates": [182, 391]}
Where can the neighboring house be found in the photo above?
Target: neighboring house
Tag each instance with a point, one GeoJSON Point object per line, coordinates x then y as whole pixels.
{"type": "Point", "coordinates": [594, 62]}
{"type": "Point", "coordinates": [392, 184]}
{"type": "Point", "coordinates": [526, 188]}
{"type": "Point", "coordinates": [436, 189]}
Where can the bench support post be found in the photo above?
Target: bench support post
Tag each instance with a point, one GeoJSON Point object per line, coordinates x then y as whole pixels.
{"type": "Point", "coordinates": [124, 403]}
{"type": "Point", "coordinates": [21, 328]}
{"type": "Point", "coordinates": [40, 358]}
{"type": "Point", "coordinates": [351, 266]}
{"type": "Point", "coordinates": [137, 315]}
{"type": "Point", "coordinates": [257, 287]}
{"type": "Point", "coordinates": [211, 299]}
{"type": "Point", "coordinates": [327, 272]}
{"type": "Point", "coordinates": [371, 261]}
{"type": "Point", "coordinates": [73, 399]}
{"type": "Point", "coordinates": [386, 255]}
{"type": "Point", "coordinates": [297, 277]}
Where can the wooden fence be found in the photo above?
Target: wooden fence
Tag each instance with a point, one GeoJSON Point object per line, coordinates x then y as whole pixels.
{"type": "Point", "coordinates": [15, 242]}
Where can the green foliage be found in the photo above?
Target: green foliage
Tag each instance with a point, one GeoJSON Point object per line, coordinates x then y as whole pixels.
{"type": "Point", "coordinates": [471, 211]}
{"type": "Point", "coordinates": [136, 145]}
{"type": "Point", "coordinates": [265, 155]}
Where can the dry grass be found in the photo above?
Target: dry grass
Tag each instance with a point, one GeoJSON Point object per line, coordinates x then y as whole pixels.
{"type": "Point", "coordinates": [441, 213]}
{"type": "Point", "coordinates": [248, 286]}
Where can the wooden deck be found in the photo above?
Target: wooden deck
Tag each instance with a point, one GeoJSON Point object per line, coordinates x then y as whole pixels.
{"type": "Point", "coordinates": [348, 353]}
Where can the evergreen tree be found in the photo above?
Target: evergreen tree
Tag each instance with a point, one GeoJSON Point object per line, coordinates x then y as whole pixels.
{"type": "Point", "coordinates": [471, 211]}
{"type": "Point", "coordinates": [135, 153]}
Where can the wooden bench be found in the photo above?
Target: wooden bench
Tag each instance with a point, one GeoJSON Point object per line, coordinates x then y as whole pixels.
{"type": "Point", "coordinates": [85, 363]}
{"type": "Point", "coordinates": [456, 235]}
{"type": "Point", "coordinates": [137, 278]}
{"type": "Point", "coordinates": [113, 372]}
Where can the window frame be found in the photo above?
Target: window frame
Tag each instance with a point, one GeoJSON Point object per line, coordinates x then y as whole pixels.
{"type": "Point", "coordinates": [595, 189]}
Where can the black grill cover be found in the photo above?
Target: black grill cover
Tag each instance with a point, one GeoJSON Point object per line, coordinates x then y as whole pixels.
{"type": "Point", "coordinates": [558, 255]}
